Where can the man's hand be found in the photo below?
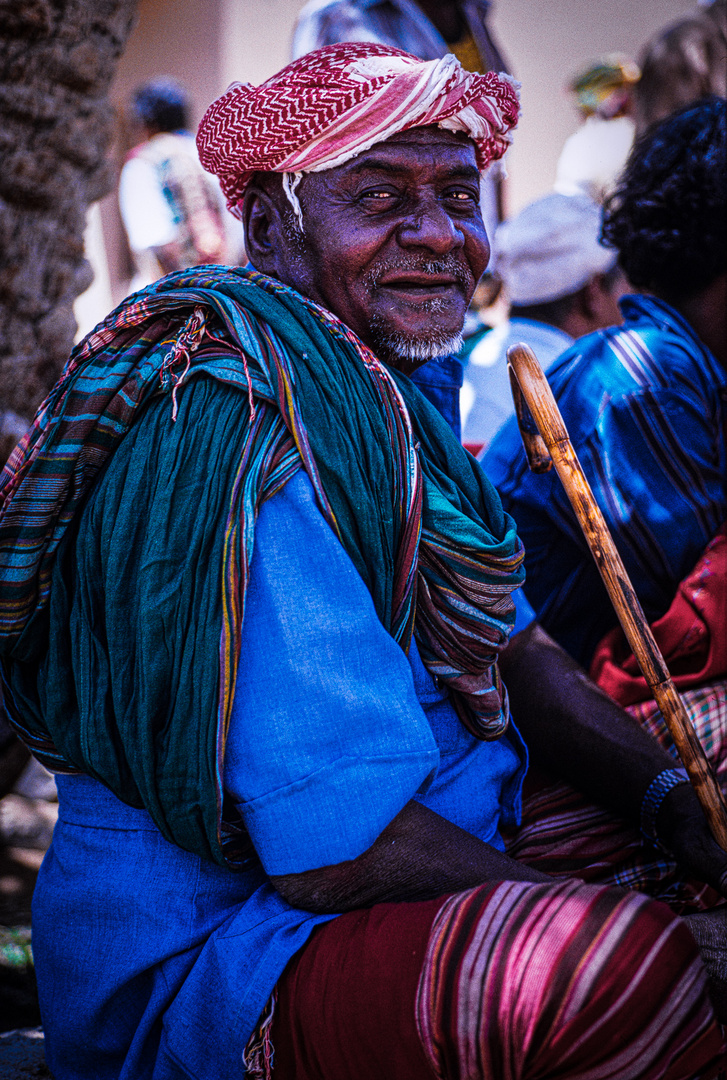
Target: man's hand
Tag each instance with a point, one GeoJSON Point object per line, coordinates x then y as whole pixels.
{"type": "Point", "coordinates": [683, 829]}
{"type": "Point", "coordinates": [574, 731]}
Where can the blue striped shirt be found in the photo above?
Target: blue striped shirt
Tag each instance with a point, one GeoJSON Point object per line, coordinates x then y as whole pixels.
{"type": "Point", "coordinates": [645, 405]}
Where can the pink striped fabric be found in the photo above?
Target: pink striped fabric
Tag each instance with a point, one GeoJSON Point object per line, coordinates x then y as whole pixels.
{"type": "Point", "coordinates": [508, 981]}
{"type": "Point", "coordinates": [526, 981]}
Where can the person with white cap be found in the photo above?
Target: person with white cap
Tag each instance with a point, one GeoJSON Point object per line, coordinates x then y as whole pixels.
{"type": "Point", "coordinates": [593, 157]}
{"type": "Point", "coordinates": [561, 282]}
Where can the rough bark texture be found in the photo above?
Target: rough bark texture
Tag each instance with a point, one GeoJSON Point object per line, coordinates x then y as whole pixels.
{"type": "Point", "coordinates": [57, 59]}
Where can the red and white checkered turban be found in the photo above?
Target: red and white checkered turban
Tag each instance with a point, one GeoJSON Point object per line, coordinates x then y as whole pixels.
{"type": "Point", "coordinates": [336, 102]}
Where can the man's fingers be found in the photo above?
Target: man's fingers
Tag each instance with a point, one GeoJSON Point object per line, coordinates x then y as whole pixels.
{"type": "Point", "coordinates": [697, 852]}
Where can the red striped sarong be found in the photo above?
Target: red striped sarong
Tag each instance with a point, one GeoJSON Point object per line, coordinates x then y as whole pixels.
{"type": "Point", "coordinates": [512, 981]}
{"type": "Point", "coordinates": [508, 981]}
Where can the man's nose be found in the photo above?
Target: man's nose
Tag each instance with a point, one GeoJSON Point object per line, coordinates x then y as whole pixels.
{"type": "Point", "coordinates": [430, 226]}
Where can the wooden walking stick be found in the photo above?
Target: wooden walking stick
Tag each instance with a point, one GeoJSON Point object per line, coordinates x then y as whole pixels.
{"type": "Point", "coordinates": [546, 442]}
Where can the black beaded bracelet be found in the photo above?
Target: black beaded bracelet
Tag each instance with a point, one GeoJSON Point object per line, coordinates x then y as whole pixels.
{"type": "Point", "coordinates": [656, 792]}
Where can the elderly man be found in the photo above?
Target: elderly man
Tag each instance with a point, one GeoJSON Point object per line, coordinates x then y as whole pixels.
{"type": "Point", "coordinates": [253, 596]}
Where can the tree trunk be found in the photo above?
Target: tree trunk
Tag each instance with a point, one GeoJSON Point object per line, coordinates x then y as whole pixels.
{"type": "Point", "coordinates": [57, 59]}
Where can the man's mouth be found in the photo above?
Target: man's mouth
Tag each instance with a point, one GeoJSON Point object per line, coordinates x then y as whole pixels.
{"type": "Point", "coordinates": [419, 284]}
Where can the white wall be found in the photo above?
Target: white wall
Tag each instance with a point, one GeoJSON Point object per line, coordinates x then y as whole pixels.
{"type": "Point", "coordinates": [176, 38]}
{"type": "Point", "coordinates": [549, 42]}
{"type": "Point", "coordinates": [256, 38]}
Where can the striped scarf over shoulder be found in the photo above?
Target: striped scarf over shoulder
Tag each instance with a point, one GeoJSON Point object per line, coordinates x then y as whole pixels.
{"type": "Point", "coordinates": [295, 388]}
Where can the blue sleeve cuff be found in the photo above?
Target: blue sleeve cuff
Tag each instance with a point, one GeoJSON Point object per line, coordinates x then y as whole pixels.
{"type": "Point", "coordinates": [336, 813]}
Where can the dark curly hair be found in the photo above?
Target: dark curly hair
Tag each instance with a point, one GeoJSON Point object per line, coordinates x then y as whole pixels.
{"type": "Point", "coordinates": [668, 216]}
{"type": "Point", "coordinates": [162, 104]}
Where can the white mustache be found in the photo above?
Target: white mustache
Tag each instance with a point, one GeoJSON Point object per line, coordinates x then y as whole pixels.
{"type": "Point", "coordinates": [430, 268]}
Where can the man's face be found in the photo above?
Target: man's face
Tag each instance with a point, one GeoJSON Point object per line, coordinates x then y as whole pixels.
{"type": "Point", "coordinates": [393, 243]}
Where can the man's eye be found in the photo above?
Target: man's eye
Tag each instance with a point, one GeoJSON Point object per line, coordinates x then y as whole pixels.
{"type": "Point", "coordinates": [378, 195]}
{"type": "Point", "coordinates": [462, 196]}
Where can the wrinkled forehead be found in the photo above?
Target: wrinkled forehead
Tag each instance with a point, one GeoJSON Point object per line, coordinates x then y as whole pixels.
{"type": "Point", "coordinates": [431, 138]}
{"type": "Point", "coordinates": [440, 154]}
{"type": "Point", "coordinates": [430, 150]}
{"type": "Point", "coordinates": [430, 135]}
{"type": "Point", "coordinates": [452, 149]}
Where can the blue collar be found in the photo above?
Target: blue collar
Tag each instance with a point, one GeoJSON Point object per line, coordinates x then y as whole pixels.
{"type": "Point", "coordinates": [637, 307]}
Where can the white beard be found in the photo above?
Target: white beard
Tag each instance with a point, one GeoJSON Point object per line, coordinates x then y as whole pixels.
{"type": "Point", "coordinates": [418, 349]}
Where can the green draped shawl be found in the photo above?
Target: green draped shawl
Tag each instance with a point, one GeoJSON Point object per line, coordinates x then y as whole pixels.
{"type": "Point", "coordinates": [127, 524]}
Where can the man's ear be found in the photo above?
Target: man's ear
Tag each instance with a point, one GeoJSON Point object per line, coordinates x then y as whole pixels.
{"type": "Point", "coordinates": [263, 228]}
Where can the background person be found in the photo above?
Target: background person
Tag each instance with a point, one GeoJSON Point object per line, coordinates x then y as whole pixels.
{"type": "Point", "coordinates": [562, 283]}
{"type": "Point", "coordinates": [172, 211]}
{"type": "Point", "coordinates": [644, 403]}
{"type": "Point", "coordinates": [425, 28]}
{"type": "Point", "coordinates": [682, 63]}
{"type": "Point", "coordinates": [593, 157]}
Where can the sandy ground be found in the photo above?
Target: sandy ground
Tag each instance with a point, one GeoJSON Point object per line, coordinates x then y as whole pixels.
{"type": "Point", "coordinates": [18, 999]}
{"type": "Point", "coordinates": [22, 1057]}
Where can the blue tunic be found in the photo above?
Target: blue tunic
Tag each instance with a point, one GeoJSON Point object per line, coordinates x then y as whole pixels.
{"type": "Point", "coordinates": [153, 963]}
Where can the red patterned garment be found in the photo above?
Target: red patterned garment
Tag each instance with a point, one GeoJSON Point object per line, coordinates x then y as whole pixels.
{"type": "Point", "coordinates": [508, 981]}
{"type": "Point", "coordinates": [692, 635]}
{"type": "Point", "coordinates": [332, 104]}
